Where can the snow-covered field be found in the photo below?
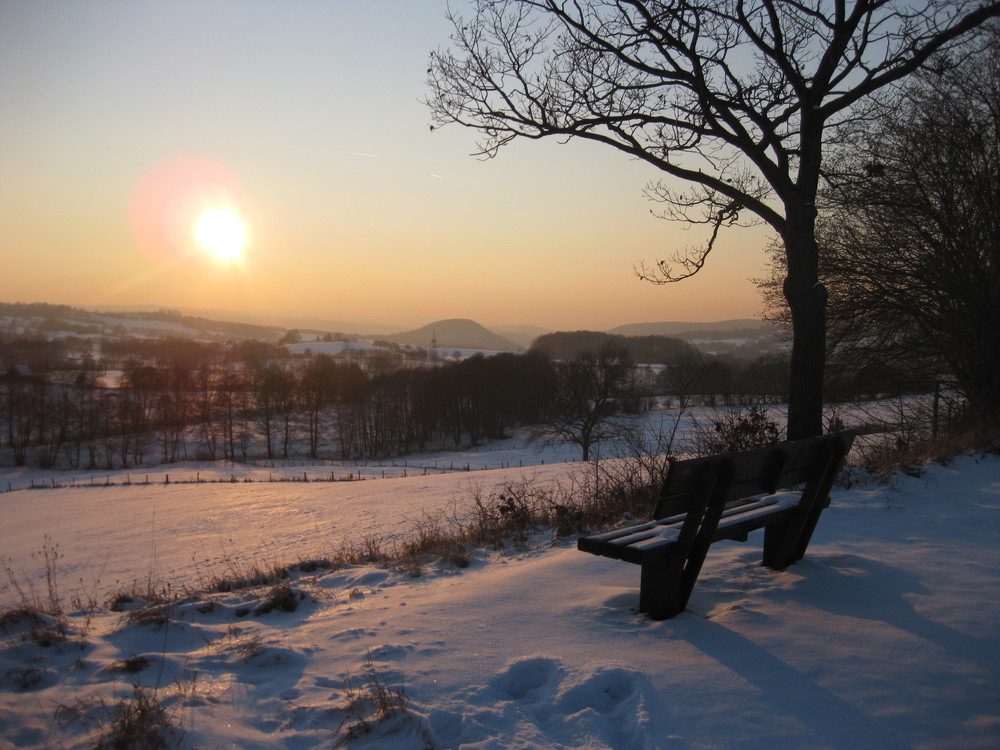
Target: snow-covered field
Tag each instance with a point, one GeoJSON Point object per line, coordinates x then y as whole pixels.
{"type": "Point", "coordinates": [887, 635]}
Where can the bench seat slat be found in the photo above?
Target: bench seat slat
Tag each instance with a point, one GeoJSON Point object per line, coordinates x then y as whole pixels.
{"type": "Point", "coordinates": [734, 527]}
{"type": "Point", "coordinates": [636, 543]}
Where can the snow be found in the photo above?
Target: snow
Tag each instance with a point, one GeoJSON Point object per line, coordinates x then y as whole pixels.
{"type": "Point", "coordinates": [331, 348]}
{"type": "Point", "coordinates": [887, 635]}
{"type": "Point", "coordinates": [148, 327]}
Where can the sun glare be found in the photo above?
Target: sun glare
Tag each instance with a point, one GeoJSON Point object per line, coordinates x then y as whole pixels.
{"type": "Point", "coordinates": [222, 233]}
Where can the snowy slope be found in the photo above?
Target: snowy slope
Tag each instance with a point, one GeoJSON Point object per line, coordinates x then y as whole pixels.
{"type": "Point", "coordinates": [886, 636]}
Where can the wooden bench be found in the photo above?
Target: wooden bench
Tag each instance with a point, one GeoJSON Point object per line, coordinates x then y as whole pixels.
{"type": "Point", "coordinates": [704, 500]}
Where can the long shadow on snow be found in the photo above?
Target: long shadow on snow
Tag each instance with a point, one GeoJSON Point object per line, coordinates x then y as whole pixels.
{"type": "Point", "coordinates": [867, 589]}
{"type": "Point", "coordinates": [831, 718]}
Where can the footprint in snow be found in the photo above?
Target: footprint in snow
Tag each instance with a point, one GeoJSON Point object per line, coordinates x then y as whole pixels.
{"type": "Point", "coordinates": [390, 651]}
{"type": "Point", "coordinates": [526, 677]}
{"type": "Point", "coordinates": [354, 633]}
{"type": "Point", "coordinates": [602, 691]}
{"type": "Point", "coordinates": [543, 703]}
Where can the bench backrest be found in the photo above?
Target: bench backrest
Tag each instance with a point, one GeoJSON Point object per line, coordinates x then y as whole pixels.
{"type": "Point", "coordinates": [753, 472]}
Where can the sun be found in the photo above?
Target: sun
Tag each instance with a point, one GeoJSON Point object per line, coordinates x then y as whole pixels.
{"type": "Point", "coordinates": [222, 233]}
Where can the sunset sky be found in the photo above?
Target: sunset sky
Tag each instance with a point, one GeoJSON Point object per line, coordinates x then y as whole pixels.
{"type": "Point", "coordinates": [125, 121]}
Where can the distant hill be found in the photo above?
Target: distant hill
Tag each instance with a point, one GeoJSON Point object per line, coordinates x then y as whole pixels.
{"type": "Point", "coordinates": [162, 321]}
{"type": "Point", "coordinates": [46, 319]}
{"type": "Point", "coordinates": [266, 320]}
{"type": "Point", "coordinates": [743, 338]}
{"type": "Point", "coordinates": [677, 328]}
{"type": "Point", "coordinates": [456, 333]}
{"type": "Point", "coordinates": [644, 349]}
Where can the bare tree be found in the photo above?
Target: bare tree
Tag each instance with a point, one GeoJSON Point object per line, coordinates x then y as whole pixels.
{"type": "Point", "coordinates": [911, 247]}
{"type": "Point", "coordinates": [737, 98]}
{"type": "Point", "coordinates": [273, 389]}
{"type": "Point", "coordinates": [591, 390]}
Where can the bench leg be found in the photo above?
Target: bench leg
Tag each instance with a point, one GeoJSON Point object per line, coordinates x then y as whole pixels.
{"type": "Point", "coordinates": [667, 582]}
{"type": "Point", "coordinates": [666, 585]}
{"type": "Point", "coordinates": [778, 545]}
{"type": "Point", "coordinates": [660, 593]}
{"type": "Point", "coordinates": [786, 543]}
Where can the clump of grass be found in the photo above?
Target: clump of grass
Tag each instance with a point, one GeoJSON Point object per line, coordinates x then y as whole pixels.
{"type": "Point", "coordinates": [120, 602]}
{"type": "Point", "coordinates": [225, 584]}
{"type": "Point", "coordinates": [185, 687]}
{"type": "Point", "coordinates": [48, 557]}
{"type": "Point", "coordinates": [370, 701]}
{"type": "Point", "coordinates": [282, 597]}
{"type": "Point", "coordinates": [516, 514]}
{"type": "Point", "coordinates": [885, 454]}
{"type": "Point", "coordinates": [241, 572]}
{"type": "Point", "coordinates": [432, 539]}
{"type": "Point", "coordinates": [131, 664]}
{"type": "Point", "coordinates": [138, 722]}
{"type": "Point", "coordinates": [37, 618]}
{"type": "Point", "coordinates": [24, 678]}
{"type": "Point", "coordinates": [313, 565]}
{"type": "Point", "coordinates": [154, 615]}
{"type": "Point", "coordinates": [13, 619]}
{"type": "Point", "coordinates": [244, 645]}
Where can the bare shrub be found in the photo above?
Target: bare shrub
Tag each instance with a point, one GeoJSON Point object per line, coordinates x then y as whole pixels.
{"type": "Point", "coordinates": [628, 486]}
{"type": "Point", "coordinates": [886, 454]}
{"type": "Point", "coordinates": [736, 429]}
{"type": "Point", "coordinates": [49, 556]}
{"type": "Point", "coordinates": [438, 538]}
{"type": "Point", "coordinates": [16, 618]}
{"type": "Point", "coordinates": [898, 436]}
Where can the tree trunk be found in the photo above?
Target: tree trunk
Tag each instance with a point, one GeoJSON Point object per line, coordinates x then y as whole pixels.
{"type": "Point", "coordinates": [807, 301]}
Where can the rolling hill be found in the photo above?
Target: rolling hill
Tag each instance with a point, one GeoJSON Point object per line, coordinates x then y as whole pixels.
{"type": "Point", "coordinates": [673, 328]}
{"type": "Point", "coordinates": [455, 333]}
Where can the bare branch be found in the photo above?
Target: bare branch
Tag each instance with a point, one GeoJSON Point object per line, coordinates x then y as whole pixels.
{"type": "Point", "coordinates": [692, 259]}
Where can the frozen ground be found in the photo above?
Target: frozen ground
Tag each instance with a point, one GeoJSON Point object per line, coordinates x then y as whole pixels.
{"type": "Point", "coordinates": [886, 636]}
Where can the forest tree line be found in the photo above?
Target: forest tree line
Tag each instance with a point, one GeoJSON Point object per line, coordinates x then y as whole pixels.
{"type": "Point", "coordinates": [175, 399]}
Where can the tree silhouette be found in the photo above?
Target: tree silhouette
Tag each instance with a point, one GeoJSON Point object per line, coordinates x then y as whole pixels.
{"type": "Point", "coordinates": [739, 99]}
{"type": "Point", "coordinates": [592, 389]}
{"type": "Point", "coordinates": [910, 244]}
